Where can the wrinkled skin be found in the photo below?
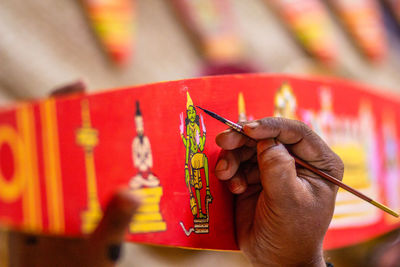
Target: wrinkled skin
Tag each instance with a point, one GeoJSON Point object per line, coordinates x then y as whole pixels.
{"type": "Point", "coordinates": [282, 210]}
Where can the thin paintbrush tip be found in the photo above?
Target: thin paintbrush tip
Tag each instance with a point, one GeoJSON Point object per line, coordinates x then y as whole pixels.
{"type": "Point", "coordinates": [212, 114]}
{"type": "Point", "coordinates": [200, 107]}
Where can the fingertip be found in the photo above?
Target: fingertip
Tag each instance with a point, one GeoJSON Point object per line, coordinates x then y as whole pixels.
{"type": "Point", "coordinates": [117, 216]}
{"type": "Point", "coordinates": [237, 185]}
{"type": "Point", "coordinates": [222, 165]}
{"type": "Point", "coordinates": [230, 139]}
{"type": "Point", "coordinates": [125, 202]}
{"type": "Point", "coordinates": [221, 135]}
{"type": "Point", "coordinates": [266, 144]}
{"type": "Point", "coordinates": [227, 165]}
{"type": "Point", "coordinates": [222, 169]}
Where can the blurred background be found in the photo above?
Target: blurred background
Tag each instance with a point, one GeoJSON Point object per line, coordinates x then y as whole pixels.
{"type": "Point", "coordinates": [118, 43]}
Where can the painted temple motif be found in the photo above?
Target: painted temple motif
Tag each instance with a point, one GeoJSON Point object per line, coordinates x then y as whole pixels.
{"type": "Point", "coordinates": [196, 168]}
{"type": "Point", "coordinates": [353, 139]}
{"type": "Point", "coordinates": [145, 183]}
{"type": "Point", "coordinates": [87, 138]}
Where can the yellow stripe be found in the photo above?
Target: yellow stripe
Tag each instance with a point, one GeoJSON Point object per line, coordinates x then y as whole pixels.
{"type": "Point", "coordinates": [156, 191]}
{"type": "Point", "coordinates": [147, 217]}
{"type": "Point", "coordinates": [147, 227]}
{"type": "Point", "coordinates": [150, 200]}
{"type": "Point", "coordinates": [349, 202]}
{"type": "Point", "coordinates": [32, 208]}
{"type": "Point", "coordinates": [353, 214]}
{"type": "Point", "coordinates": [51, 156]}
{"type": "Point", "coordinates": [149, 208]}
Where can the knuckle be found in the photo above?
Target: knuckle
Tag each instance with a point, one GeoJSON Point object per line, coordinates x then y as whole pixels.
{"type": "Point", "coordinates": [304, 129]}
{"type": "Point", "coordinates": [334, 164]}
{"type": "Point", "coordinates": [271, 122]}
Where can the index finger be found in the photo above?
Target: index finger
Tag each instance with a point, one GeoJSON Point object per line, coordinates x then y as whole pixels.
{"type": "Point", "coordinates": [301, 140]}
{"type": "Point", "coordinates": [230, 139]}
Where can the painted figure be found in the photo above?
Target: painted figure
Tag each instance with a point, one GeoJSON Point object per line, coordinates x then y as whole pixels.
{"type": "Point", "coordinates": [195, 160]}
{"type": "Point", "coordinates": [145, 184]}
{"type": "Point", "coordinates": [142, 156]}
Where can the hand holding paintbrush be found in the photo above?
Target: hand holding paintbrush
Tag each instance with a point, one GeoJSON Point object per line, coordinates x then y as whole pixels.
{"type": "Point", "coordinates": [283, 209]}
{"type": "Point", "coordinates": [309, 167]}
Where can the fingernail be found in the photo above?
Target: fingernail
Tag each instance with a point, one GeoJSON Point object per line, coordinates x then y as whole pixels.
{"type": "Point", "coordinates": [222, 165]}
{"type": "Point", "coordinates": [236, 186]}
{"type": "Point", "coordinates": [114, 252]}
{"type": "Point", "coordinates": [227, 130]}
{"type": "Point", "coordinates": [253, 124]}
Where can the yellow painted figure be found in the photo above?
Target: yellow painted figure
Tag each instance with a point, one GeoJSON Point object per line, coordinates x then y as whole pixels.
{"type": "Point", "coordinates": [194, 142]}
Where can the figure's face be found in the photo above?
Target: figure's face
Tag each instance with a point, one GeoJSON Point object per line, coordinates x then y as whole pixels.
{"type": "Point", "coordinates": [139, 124]}
{"type": "Point", "coordinates": [191, 114]}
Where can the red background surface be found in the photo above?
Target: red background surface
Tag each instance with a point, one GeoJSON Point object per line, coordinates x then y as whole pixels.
{"type": "Point", "coordinates": [112, 114]}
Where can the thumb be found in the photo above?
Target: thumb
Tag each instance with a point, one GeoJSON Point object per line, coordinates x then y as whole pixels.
{"type": "Point", "coordinates": [110, 233]}
{"type": "Point", "coordinates": [277, 170]}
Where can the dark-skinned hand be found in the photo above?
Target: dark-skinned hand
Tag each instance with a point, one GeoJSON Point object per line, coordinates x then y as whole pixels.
{"type": "Point", "coordinates": [101, 248]}
{"type": "Point", "coordinates": [282, 210]}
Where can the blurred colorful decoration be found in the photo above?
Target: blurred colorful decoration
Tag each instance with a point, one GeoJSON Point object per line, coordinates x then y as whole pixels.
{"type": "Point", "coordinates": [353, 140]}
{"type": "Point", "coordinates": [309, 22]}
{"type": "Point", "coordinates": [114, 23]}
{"type": "Point", "coordinates": [362, 20]}
{"type": "Point", "coordinates": [394, 6]}
{"type": "Point", "coordinates": [391, 156]}
{"type": "Point", "coordinates": [61, 159]}
{"type": "Point", "coordinates": [211, 24]}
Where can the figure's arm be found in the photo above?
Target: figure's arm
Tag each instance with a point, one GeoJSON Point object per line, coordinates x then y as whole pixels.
{"type": "Point", "coordinates": [181, 125]}
{"type": "Point", "coordinates": [187, 144]}
{"type": "Point", "coordinates": [203, 137]}
{"type": "Point", "coordinates": [149, 158]}
{"type": "Point", "coordinates": [202, 141]}
{"type": "Point", "coordinates": [184, 140]}
{"type": "Point", "coordinates": [135, 158]}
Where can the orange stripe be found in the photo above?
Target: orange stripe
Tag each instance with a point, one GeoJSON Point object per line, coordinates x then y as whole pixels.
{"type": "Point", "coordinates": [31, 199]}
{"type": "Point", "coordinates": [51, 156]}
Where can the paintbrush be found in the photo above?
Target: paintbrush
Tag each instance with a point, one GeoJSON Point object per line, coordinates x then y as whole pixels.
{"type": "Point", "coordinates": [309, 167]}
